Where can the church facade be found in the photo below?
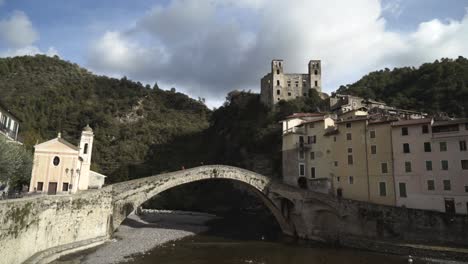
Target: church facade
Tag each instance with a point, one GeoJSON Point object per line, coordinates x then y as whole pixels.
{"type": "Point", "coordinates": [61, 167]}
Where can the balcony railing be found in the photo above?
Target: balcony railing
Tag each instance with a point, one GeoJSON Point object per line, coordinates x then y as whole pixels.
{"type": "Point", "coordinates": [295, 130]}
{"type": "Point", "coordinates": [304, 145]}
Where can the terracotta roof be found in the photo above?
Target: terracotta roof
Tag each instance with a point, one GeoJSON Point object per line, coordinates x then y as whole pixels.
{"type": "Point", "coordinates": [412, 122]}
{"type": "Point", "coordinates": [298, 115]}
{"type": "Point", "coordinates": [312, 121]}
{"type": "Point", "coordinates": [358, 118]}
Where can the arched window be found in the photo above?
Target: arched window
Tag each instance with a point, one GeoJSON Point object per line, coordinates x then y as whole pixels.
{"type": "Point", "coordinates": [277, 71]}
{"type": "Point", "coordinates": [315, 72]}
{"type": "Point", "coordinates": [85, 148]}
{"type": "Point", "coordinates": [277, 82]}
{"type": "Point", "coordinates": [278, 92]}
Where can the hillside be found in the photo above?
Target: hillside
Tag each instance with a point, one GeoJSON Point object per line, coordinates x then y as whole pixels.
{"type": "Point", "coordinates": [438, 86]}
{"type": "Point", "coordinates": [129, 120]}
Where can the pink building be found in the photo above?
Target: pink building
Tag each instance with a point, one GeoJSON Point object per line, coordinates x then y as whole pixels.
{"type": "Point", "coordinates": [431, 164]}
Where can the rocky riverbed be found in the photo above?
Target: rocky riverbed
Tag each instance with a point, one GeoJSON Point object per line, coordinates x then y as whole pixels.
{"type": "Point", "coordinates": [141, 233]}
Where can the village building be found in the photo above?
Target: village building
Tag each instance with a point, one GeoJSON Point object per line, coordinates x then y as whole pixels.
{"type": "Point", "coordinates": [431, 164]}
{"type": "Point", "coordinates": [277, 85]}
{"type": "Point", "coordinates": [61, 167]}
{"type": "Point", "coordinates": [9, 123]}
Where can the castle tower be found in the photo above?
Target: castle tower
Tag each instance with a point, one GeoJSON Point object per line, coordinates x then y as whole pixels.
{"type": "Point", "coordinates": [315, 75]}
{"type": "Point", "coordinates": [86, 149]}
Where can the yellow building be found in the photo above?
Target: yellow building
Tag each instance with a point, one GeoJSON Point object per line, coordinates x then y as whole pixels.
{"type": "Point", "coordinates": [61, 167]}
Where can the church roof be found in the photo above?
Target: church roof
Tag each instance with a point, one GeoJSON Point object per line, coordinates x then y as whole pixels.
{"type": "Point", "coordinates": [57, 144]}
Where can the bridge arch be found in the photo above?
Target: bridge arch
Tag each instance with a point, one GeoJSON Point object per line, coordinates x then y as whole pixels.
{"type": "Point", "coordinates": [127, 196]}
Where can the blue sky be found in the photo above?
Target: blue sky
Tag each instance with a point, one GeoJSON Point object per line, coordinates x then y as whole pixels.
{"type": "Point", "coordinates": [207, 48]}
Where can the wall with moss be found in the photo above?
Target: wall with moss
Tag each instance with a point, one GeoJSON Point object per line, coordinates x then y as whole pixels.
{"type": "Point", "coordinates": [32, 225]}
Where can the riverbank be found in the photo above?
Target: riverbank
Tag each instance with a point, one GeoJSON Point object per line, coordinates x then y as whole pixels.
{"type": "Point", "coordinates": [141, 233]}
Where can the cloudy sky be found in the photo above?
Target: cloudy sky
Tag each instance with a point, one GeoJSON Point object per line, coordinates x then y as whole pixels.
{"type": "Point", "coordinates": [209, 47]}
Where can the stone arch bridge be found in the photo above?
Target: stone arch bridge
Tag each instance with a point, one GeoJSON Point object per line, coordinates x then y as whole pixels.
{"type": "Point", "coordinates": [278, 198]}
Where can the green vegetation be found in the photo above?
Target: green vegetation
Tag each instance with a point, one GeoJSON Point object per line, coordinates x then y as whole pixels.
{"type": "Point", "coordinates": [439, 86]}
{"type": "Point", "coordinates": [15, 164]}
{"type": "Point", "coordinates": [131, 122]}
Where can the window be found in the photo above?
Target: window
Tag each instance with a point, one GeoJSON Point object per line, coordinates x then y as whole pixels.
{"type": "Point", "coordinates": [301, 154]}
{"type": "Point", "coordinates": [407, 166]}
{"type": "Point", "coordinates": [466, 189]}
{"type": "Point", "coordinates": [65, 186]}
{"type": "Point", "coordinates": [56, 161]}
{"type": "Point", "coordinates": [351, 179]}
{"type": "Point", "coordinates": [372, 134]}
{"type": "Point", "coordinates": [466, 126]}
{"type": "Point", "coordinates": [311, 125]}
{"type": "Point", "coordinates": [278, 72]}
{"type": "Point", "coordinates": [335, 163]}
{"type": "Point", "coordinates": [334, 139]}
{"type": "Point", "coordinates": [444, 164]}
{"type": "Point", "coordinates": [430, 185]}
{"type": "Point", "coordinates": [443, 146]}
{"type": "Point", "coordinates": [278, 92]}
{"type": "Point", "coordinates": [427, 146]}
{"type": "Point", "coordinates": [402, 187]}
{"type": "Point", "coordinates": [350, 160]}
{"type": "Point", "coordinates": [382, 189]}
{"type": "Point", "coordinates": [428, 165]}
{"type": "Point", "coordinates": [447, 128]}
{"type": "Point", "coordinates": [338, 178]}
{"type": "Point", "coordinates": [464, 164]}
{"type": "Point", "coordinates": [404, 131]}
{"type": "Point", "coordinates": [314, 139]}
{"type": "Point", "coordinates": [348, 125]}
{"type": "Point", "coordinates": [312, 172]}
{"type": "Point", "coordinates": [373, 149]}
{"type": "Point", "coordinates": [278, 82]}
{"type": "Point", "coordinates": [289, 83]}
{"type": "Point", "coordinates": [384, 167]}
{"type": "Point", "coordinates": [348, 136]}
{"type": "Point", "coordinates": [350, 150]}
{"type": "Point", "coordinates": [40, 186]}
{"type": "Point", "coordinates": [462, 144]}
{"type": "Point", "coordinates": [406, 148]}
{"type": "Point", "coordinates": [301, 169]}
{"type": "Point", "coordinates": [425, 129]}
{"type": "Point", "coordinates": [316, 83]}
{"type": "Point", "coordinates": [289, 94]}
{"type": "Point", "coordinates": [85, 148]}
{"type": "Point", "coordinates": [447, 186]}
{"type": "Point", "coordinates": [316, 72]}
{"type": "Point", "coordinates": [312, 155]}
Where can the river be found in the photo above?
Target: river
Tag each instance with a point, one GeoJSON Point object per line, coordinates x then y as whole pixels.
{"type": "Point", "coordinates": [253, 239]}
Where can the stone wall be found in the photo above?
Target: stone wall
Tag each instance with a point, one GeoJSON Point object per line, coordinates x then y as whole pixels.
{"type": "Point", "coordinates": [35, 224]}
{"type": "Point", "coordinates": [334, 220]}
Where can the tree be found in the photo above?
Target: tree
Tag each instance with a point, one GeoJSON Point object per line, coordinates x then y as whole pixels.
{"type": "Point", "coordinates": [15, 164]}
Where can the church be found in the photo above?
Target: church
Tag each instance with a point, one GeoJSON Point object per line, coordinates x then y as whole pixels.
{"type": "Point", "coordinates": [61, 167]}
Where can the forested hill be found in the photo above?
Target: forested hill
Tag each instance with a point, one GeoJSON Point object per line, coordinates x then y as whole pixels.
{"type": "Point", "coordinates": [129, 119]}
{"type": "Point", "coordinates": [438, 86]}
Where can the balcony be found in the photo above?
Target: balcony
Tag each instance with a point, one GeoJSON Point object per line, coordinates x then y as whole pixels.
{"type": "Point", "coordinates": [304, 145]}
{"type": "Point", "coordinates": [8, 132]}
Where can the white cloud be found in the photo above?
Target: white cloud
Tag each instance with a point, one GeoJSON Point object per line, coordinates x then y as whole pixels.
{"type": "Point", "coordinates": [209, 47]}
{"type": "Point", "coordinates": [17, 30]}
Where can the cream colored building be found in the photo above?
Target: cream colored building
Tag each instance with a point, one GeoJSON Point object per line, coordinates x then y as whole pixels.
{"type": "Point", "coordinates": [306, 151]}
{"type": "Point", "coordinates": [431, 164]}
{"type": "Point", "coordinates": [61, 167]}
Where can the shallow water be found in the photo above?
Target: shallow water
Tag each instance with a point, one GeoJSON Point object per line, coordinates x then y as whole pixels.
{"type": "Point", "coordinates": [253, 239]}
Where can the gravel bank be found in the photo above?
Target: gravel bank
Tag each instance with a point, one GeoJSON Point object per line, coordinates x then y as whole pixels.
{"type": "Point", "coordinates": [139, 234]}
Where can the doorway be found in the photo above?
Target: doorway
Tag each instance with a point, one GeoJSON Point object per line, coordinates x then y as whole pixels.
{"type": "Point", "coordinates": [449, 205]}
{"type": "Point", "coordinates": [52, 188]}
